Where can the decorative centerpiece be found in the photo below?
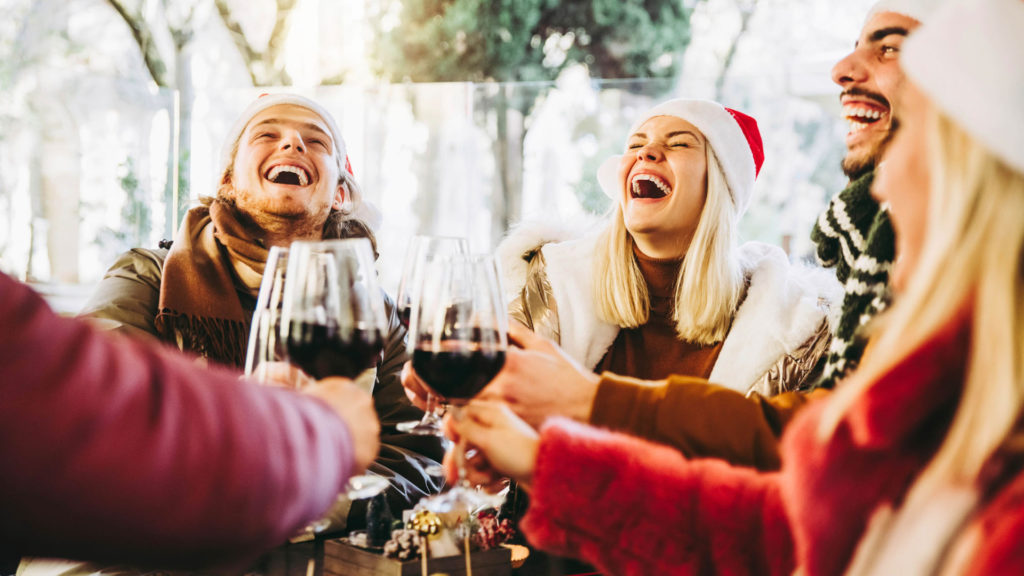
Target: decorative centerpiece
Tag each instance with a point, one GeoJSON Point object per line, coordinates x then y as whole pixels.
{"type": "Point", "coordinates": [428, 543]}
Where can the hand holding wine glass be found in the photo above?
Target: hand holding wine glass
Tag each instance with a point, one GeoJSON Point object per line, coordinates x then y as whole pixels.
{"type": "Point", "coordinates": [422, 249]}
{"type": "Point", "coordinates": [506, 445]}
{"type": "Point", "coordinates": [458, 339]}
{"type": "Point", "coordinates": [355, 407]}
{"type": "Point", "coordinates": [333, 321]}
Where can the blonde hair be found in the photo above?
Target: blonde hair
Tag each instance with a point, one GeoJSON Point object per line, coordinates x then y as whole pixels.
{"type": "Point", "coordinates": [710, 279]}
{"type": "Point", "coordinates": [973, 257]}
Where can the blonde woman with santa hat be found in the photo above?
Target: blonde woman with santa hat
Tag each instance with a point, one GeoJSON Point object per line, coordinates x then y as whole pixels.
{"type": "Point", "coordinates": [915, 464]}
{"type": "Point", "coordinates": [665, 288]}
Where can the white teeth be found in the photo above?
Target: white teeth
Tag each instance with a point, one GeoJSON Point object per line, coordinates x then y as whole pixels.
{"type": "Point", "coordinates": [277, 170]}
{"type": "Point", "coordinates": [852, 112]}
{"type": "Point", "coordinates": [650, 178]}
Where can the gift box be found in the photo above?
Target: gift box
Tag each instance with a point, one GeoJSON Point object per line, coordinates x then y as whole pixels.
{"type": "Point", "coordinates": [344, 559]}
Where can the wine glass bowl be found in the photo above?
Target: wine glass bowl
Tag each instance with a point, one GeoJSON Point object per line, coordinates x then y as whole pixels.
{"type": "Point", "coordinates": [333, 318]}
{"type": "Point", "coordinates": [265, 346]}
{"type": "Point", "coordinates": [423, 249]}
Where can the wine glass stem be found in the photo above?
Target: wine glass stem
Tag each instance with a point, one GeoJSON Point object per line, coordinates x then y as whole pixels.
{"type": "Point", "coordinates": [460, 452]}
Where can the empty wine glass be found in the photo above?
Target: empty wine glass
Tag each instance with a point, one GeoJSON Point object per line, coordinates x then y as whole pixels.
{"type": "Point", "coordinates": [423, 249]}
{"type": "Point", "coordinates": [458, 339]}
{"type": "Point", "coordinates": [266, 351]}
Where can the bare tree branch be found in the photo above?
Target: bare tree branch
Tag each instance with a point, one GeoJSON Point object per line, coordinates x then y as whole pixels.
{"type": "Point", "coordinates": [144, 39]}
{"type": "Point", "coordinates": [277, 37]}
{"type": "Point", "coordinates": [263, 66]}
{"type": "Point", "coordinates": [746, 12]}
{"type": "Point", "coordinates": [249, 55]}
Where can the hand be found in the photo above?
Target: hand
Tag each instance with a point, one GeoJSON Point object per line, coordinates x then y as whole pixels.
{"type": "Point", "coordinates": [355, 407]}
{"type": "Point", "coordinates": [281, 374]}
{"type": "Point", "coordinates": [415, 388]}
{"type": "Point", "coordinates": [507, 446]}
{"type": "Point", "coordinates": [539, 380]}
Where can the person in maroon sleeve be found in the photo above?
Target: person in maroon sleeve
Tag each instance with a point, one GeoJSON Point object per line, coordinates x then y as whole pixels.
{"type": "Point", "coordinates": [117, 451]}
{"type": "Point", "coordinates": [915, 464]}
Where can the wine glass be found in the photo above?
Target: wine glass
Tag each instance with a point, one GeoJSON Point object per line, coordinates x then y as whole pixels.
{"type": "Point", "coordinates": [457, 339]}
{"type": "Point", "coordinates": [266, 350]}
{"type": "Point", "coordinates": [423, 249]}
{"type": "Point", "coordinates": [333, 321]}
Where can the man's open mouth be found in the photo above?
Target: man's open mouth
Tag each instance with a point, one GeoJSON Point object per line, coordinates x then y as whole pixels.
{"type": "Point", "coordinates": [649, 186]}
{"type": "Point", "coordinates": [285, 174]}
{"type": "Point", "coordinates": [860, 117]}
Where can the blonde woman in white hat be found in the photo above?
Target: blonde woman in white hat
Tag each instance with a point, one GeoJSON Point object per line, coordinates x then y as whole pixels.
{"type": "Point", "coordinates": [915, 464]}
{"type": "Point", "coordinates": [665, 288]}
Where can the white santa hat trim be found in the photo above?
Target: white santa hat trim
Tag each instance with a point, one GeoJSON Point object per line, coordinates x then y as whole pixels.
{"type": "Point", "coordinates": [357, 205]}
{"type": "Point", "coordinates": [969, 59]}
{"type": "Point", "coordinates": [733, 136]}
{"type": "Point", "coordinates": [919, 10]}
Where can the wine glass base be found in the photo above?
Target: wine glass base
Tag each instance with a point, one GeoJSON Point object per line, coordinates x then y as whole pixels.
{"type": "Point", "coordinates": [363, 486]}
{"type": "Point", "coordinates": [462, 499]}
{"type": "Point", "coordinates": [420, 428]}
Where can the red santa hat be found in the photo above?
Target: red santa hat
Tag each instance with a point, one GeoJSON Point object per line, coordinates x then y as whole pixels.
{"type": "Point", "coordinates": [969, 59]}
{"type": "Point", "coordinates": [358, 206]}
{"type": "Point", "coordinates": [733, 137]}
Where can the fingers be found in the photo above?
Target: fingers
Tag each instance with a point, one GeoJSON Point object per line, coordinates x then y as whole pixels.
{"type": "Point", "coordinates": [415, 389]}
{"type": "Point", "coordinates": [280, 374]}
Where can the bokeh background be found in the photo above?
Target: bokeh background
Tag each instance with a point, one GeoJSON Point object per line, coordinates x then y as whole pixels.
{"type": "Point", "coordinates": [462, 117]}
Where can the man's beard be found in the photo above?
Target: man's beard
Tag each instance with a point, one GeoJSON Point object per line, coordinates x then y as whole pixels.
{"type": "Point", "coordinates": [854, 168]}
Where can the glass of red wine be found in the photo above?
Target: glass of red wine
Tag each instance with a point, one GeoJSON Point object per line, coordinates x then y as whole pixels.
{"type": "Point", "coordinates": [458, 339]}
{"type": "Point", "coordinates": [333, 320]}
{"type": "Point", "coordinates": [424, 249]}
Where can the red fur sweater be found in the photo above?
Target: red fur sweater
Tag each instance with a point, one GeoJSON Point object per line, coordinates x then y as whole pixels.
{"type": "Point", "coordinates": [631, 507]}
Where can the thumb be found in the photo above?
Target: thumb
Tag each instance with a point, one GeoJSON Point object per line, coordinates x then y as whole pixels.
{"type": "Point", "coordinates": [526, 339]}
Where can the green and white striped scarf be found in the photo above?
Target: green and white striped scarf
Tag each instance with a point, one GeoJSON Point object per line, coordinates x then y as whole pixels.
{"type": "Point", "coordinates": [855, 236]}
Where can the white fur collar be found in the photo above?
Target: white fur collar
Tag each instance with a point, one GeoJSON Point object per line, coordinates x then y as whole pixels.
{"type": "Point", "coordinates": [783, 308]}
{"type": "Point", "coordinates": [528, 237]}
{"type": "Point", "coordinates": [781, 311]}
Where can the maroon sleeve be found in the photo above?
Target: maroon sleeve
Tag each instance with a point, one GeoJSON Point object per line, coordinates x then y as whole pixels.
{"type": "Point", "coordinates": [113, 450]}
{"type": "Point", "coordinates": [636, 508]}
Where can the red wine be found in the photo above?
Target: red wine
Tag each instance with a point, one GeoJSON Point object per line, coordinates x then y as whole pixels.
{"type": "Point", "coordinates": [323, 351]}
{"type": "Point", "coordinates": [458, 375]}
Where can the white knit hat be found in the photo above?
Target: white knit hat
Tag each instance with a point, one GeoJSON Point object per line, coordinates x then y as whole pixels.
{"type": "Point", "coordinates": [919, 10]}
{"type": "Point", "coordinates": [733, 137]}
{"type": "Point", "coordinates": [358, 206]}
{"type": "Point", "coordinates": [969, 59]}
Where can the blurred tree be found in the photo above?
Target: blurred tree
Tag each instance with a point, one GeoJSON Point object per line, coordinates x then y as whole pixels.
{"type": "Point", "coordinates": [509, 41]}
{"type": "Point", "coordinates": [133, 229]}
{"type": "Point", "coordinates": [165, 34]}
{"type": "Point", "coordinates": [746, 10]}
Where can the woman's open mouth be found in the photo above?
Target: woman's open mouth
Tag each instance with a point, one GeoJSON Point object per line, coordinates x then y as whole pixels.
{"type": "Point", "coordinates": [649, 186]}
